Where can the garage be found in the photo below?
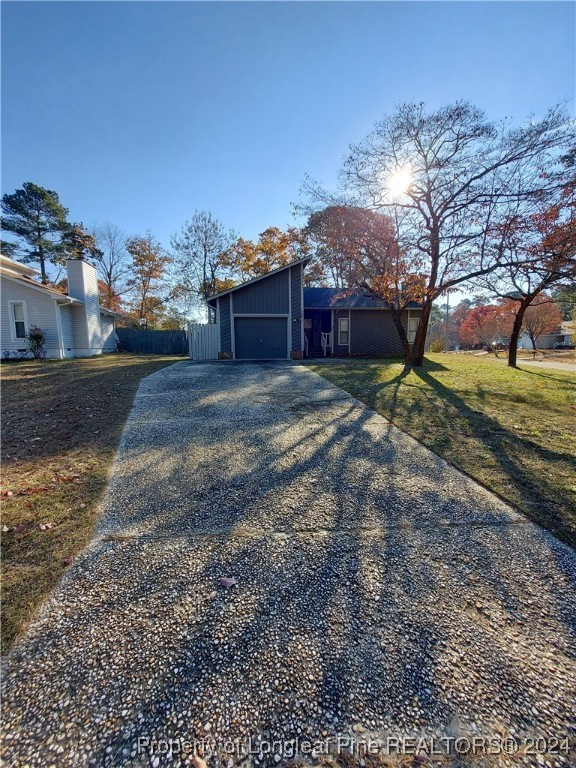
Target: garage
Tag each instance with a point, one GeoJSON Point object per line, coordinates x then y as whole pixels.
{"type": "Point", "coordinates": [260, 338]}
{"type": "Point", "coordinates": [261, 319]}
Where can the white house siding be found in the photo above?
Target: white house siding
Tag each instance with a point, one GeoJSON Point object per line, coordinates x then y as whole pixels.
{"type": "Point", "coordinates": [67, 325]}
{"type": "Point", "coordinates": [41, 310]}
{"type": "Point", "coordinates": [83, 284]}
{"type": "Point", "coordinates": [108, 340]}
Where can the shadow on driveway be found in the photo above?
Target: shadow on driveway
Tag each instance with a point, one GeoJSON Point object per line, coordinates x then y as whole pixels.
{"type": "Point", "coordinates": [380, 593]}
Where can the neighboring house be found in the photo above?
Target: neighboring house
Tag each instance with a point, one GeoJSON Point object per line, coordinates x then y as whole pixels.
{"type": "Point", "coordinates": [275, 317]}
{"type": "Point", "coordinates": [548, 340]}
{"type": "Point", "coordinates": [74, 324]}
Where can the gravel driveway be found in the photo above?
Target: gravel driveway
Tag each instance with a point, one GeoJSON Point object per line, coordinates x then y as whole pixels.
{"type": "Point", "coordinates": [381, 597]}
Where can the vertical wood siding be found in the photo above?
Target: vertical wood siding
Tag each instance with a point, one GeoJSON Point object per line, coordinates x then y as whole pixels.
{"type": "Point", "coordinates": [225, 325]}
{"type": "Point", "coordinates": [269, 296]}
{"type": "Point", "coordinates": [296, 301]}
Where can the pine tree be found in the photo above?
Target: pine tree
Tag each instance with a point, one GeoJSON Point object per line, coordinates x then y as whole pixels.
{"type": "Point", "coordinates": [37, 217]}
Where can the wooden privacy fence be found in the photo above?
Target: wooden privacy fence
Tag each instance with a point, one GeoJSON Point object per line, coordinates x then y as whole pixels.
{"type": "Point", "coordinates": [203, 340]}
{"type": "Point", "coordinates": [152, 342]}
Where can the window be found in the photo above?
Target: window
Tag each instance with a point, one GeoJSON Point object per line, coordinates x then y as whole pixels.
{"type": "Point", "coordinates": [18, 320]}
{"type": "Point", "coordinates": [343, 331]}
{"type": "Point", "coordinates": [412, 328]}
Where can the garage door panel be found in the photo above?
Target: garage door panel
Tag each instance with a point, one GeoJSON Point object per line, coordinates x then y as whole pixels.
{"type": "Point", "coordinates": [260, 338]}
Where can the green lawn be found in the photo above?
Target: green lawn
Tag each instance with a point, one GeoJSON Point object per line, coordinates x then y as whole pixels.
{"type": "Point", "coordinates": [513, 430]}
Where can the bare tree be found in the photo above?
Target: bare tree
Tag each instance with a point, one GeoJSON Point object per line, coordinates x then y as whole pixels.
{"type": "Point", "coordinates": [446, 179]}
{"type": "Point", "coordinates": [113, 261]}
{"type": "Point", "coordinates": [197, 268]}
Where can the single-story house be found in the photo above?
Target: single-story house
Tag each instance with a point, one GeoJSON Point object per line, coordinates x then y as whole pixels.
{"type": "Point", "coordinates": [275, 317]}
{"type": "Point", "coordinates": [548, 340]}
{"type": "Point", "coordinates": [74, 323]}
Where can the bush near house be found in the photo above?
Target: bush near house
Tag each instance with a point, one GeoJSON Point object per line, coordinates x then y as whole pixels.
{"type": "Point", "coordinates": [35, 339]}
{"type": "Point", "coordinates": [61, 423]}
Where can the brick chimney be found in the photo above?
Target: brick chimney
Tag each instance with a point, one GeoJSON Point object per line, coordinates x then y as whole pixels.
{"type": "Point", "coordinates": [83, 285]}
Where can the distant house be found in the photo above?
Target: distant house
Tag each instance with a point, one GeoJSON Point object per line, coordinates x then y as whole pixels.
{"type": "Point", "coordinates": [548, 340]}
{"type": "Point", "coordinates": [74, 324]}
{"type": "Point", "coordinates": [275, 317]}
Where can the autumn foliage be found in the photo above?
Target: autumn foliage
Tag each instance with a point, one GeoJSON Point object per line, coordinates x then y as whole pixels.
{"type": "Point", "coordinates": [540, 318]}
{"type": "Point", "coordinates": [274, 248]}
{"type": "Point", "coordinates": [491, 323]}
{"type": "Point", "coordinates": [485, 324]}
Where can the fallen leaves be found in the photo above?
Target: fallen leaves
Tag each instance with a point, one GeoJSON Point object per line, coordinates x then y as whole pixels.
{"type": "Point", "coordinates": [19, 528]}
{"type": "Point", "coordinates": [59, 476]}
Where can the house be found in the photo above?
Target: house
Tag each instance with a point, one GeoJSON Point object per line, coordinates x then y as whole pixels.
{"type": "Point", "coordinates": [74, 324]}
{"type": "Point", "coordinates": [275, 317]}
{"type": "Point", "coordinates": [548, 340]}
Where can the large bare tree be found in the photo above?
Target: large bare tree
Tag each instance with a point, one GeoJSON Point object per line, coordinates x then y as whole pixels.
{"type": "Point", "coordinates": [447, 180]}
{"type": "Point", "coordinates": [197, 269]}
{"type": "Point", "coordinates": [112, 259]}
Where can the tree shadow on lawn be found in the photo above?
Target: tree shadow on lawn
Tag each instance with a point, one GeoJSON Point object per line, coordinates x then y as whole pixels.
{"type": "Point", "coordinates": [550, 506]}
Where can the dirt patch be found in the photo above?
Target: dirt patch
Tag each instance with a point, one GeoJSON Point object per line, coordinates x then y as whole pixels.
{"type": "Point", "coordinates": [61, 423]}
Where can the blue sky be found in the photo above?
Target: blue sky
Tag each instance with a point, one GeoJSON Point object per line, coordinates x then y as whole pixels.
{"type": "Point", "coordinates": [138, 113]}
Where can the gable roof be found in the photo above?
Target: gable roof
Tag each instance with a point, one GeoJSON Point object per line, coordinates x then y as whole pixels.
{"type": "Point", "coordinates": [17, 266]}
{"type": "Point", "coordinates": [29, 283]}
{"type": "Point", "coordinates": [345, 298]}
{"type": "Point", "coordinates": [305, 260]}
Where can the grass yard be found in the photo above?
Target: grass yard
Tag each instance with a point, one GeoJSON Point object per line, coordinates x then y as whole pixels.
{"type": "Point", "coordinates": [512, 430]}
{"type": "Point", "coordinates": [61, 423]}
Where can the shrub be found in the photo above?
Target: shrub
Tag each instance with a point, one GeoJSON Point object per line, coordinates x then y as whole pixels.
{"type": "Point", "coordinates": [35, 339]}
{"type": "Point", "coordinates": [437, 345]}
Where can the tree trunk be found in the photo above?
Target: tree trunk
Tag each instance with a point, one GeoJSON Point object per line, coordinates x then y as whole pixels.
{"type": "Point", "coordinates": [418, 348]}
{"type": "Point", "coordinates": [413, 354]}
{"type": "Point", "coordinates": [516, 328]}
{"type": "Point", "coordinates": [42, 260]}
{"type": "Point", "coordinates": [406, 350]}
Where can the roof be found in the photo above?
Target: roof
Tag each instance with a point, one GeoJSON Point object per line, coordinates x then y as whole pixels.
{"type": "Point", "coordinates": [17, 266]}
{"type": "Point", "coordinates": [257, 279]}
{"type": "Point", "coordinates": [345, 298]}
{"type": "Point", "coordinates": [29, 283]}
